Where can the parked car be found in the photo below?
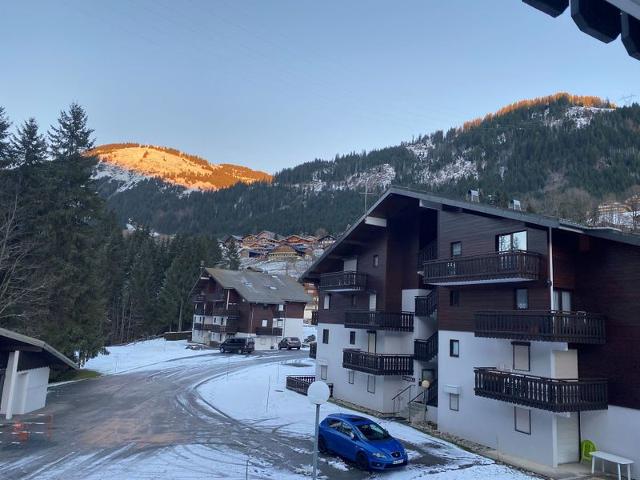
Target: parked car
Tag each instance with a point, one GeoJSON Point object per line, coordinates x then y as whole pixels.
{"type": "Point", "coordinates": [289, 343]}
{"type": "Point", "coordinates": [362, 441]}
{"type": "Point", "coordinates": [238, 345]}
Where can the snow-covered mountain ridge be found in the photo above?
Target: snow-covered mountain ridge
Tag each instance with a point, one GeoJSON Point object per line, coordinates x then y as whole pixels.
{"type": "Point", "coordinates": [128, 164]}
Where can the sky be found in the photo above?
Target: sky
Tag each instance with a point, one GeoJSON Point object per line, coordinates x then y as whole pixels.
{"type": "Point", "coordinates": [273, 83]}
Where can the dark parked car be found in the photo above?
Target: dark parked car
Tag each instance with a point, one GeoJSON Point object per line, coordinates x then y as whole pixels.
{"type": "Point", "coordinates": [289, 343]}
{"type": "Point", "coordinates": [238, 345]}
{"type": "Point", "coordinates": [360, 440]}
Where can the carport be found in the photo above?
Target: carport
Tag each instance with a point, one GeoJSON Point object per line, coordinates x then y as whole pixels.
{"type": "Point", "coordinates": [24, 372]}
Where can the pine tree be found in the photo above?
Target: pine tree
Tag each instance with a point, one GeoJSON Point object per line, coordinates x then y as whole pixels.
{"type": "Point", "coordinates": [72, 135]}
{"type": "Point", "coordinates": [5, 145]}
{"type": "Point", "coordinates": [231, 256]}
{"type": "Point", "coordinates": [28, 146]}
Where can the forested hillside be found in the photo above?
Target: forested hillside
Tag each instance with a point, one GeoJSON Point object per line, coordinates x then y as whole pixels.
{"type": "Point", "coordinates": [67, 274]}
{"type": "Point", "coordinates": [559, 154]}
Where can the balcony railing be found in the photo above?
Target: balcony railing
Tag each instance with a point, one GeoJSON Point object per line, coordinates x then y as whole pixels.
{"type": "Point", "coordinates": [540, 392]}
{"type": "Point", "coordinates": [229, 328]}
{"type": "Point", "coordinates": [425, 350]}
{"type": "Point", "coordinates": [227, 311]}
{"type": "Point", "coordinates": [427, 305]}
{"type": "Point", "coordinates": [377, 363]}
{"type": "Point", "coordinates": [549, 326]}
{"type": "Point", "coordinates": [395, 321]}
{"type": "Point", "coordinates": [197, 326]}
{"type": "Point", "coordinates": [314, 317]}
{"type": "Point", "coordinates": [274, 331]}
{"type": "Point", "coordinates": [313, 349]}
{"type": "Point", "coordinates": [512, 266]}
{"type": "Point", "coordinates": [430, 252]}
{"type": "Point", "coordinates": [343, 281]}
{"type": "Point", "coordinates": [301, 383]}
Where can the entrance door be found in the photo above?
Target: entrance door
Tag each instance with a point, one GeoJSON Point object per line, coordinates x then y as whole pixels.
{"type": "Point", "coordinates": [371, 344]}
{"type": "Point", "coordinates": [373, 302]}
{"type": "Point", "coordinates": [568, 439]}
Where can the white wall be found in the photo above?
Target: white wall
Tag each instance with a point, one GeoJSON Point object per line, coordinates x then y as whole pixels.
{"type": "Point", "coordinates": [616, 430]}
{"type": "Point", "coordinates": [30, 391]}
{"type": "Point", "coordinates": [487, 421]}
{"type": "Point", "coordinates": [293, 327]}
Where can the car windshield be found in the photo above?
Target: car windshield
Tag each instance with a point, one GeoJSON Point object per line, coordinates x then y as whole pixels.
{"type": "Point", "coordinates": [373, 431]}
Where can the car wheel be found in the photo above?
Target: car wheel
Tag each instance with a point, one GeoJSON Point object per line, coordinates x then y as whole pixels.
{"type": "Point", "coordinates": [362, 461]}
{"type": "Point", "coordinates": [288, 348]}
{"type": "Point", "coordinates": [322, 446]}
{"type": "Point", "coordinates": [298, 348]}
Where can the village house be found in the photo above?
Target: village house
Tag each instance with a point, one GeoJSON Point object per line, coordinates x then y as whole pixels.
{"type": "Point", "coordinates": [245, 303]}
{"type": "Point", "coordinates": [513, 330]}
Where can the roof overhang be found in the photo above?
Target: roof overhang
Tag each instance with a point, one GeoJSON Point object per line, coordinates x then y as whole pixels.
{"type": "Point", "coordinates": [11, 341]}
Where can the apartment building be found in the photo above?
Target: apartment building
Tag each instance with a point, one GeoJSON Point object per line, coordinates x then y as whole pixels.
{"type": "Point", "coordinates": [244, 303]}
{"type": "Point", "coordinates": [524, 327]}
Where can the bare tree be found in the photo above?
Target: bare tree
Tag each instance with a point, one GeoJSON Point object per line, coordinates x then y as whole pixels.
{"type": "Point", "coordinates": [20, 285]}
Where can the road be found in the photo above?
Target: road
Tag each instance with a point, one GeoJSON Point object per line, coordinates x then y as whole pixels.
{"type": "Point", "coordinates": [133, 419]}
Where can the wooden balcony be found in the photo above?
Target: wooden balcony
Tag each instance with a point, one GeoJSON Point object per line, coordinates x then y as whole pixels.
{"type": "Point", "coordinates": [377, 363]}
{"type": "Point", "coordinates": [430, 252]}
{"type": "Point", "coordinates": [314, 317]}
{"type": "Point", "coordinates": [540, 392]}
{"type": "Point", "coordinates": [495, 267]}
{"type": "Point", "coordinates": [229, 328]}
{"type": "Point", "coordinates": [273, 331]}
{"type": "Point", "coordinates": [425, 350]}
{"type": "Point", "coordinates": [343, 282]}
{"type": "Point", "coordinates": [230, 311]}
{"type": "Point", "coordinates": [313, 349]}
{"type": "Point", "coordinates": [393, 321]}
{"type": "Point", "coordinates": [427, 305]}
{"type": "Point", "coordinates": [301, 383]}
{"type": "Point", "coordinates": [547, 326]}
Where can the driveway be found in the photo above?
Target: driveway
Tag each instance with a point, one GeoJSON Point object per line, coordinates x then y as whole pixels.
{"type": "Point", "coordinates": [154, 424]}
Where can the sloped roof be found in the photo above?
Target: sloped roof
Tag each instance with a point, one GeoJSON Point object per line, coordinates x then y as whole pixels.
{"type": "Point", "coordinates": [540, 220]}
{"type": "Point", "coordinates": [13, 339]}
{"type": "Point", "coordinates": [258, 287]}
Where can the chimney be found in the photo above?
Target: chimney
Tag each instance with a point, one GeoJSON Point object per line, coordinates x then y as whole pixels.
{"type": "Point", "coordinates": [474, 196]}
{"type": "Point", "coordinates": [515, 204]}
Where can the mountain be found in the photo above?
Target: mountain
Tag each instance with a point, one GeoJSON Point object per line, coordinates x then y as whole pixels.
{"type": "Point", "coordinates": [130, 163]}
{"type": "Point", "coordinates": [559, 154]}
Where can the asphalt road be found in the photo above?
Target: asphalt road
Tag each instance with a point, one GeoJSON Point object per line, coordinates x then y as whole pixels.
{"type": "Point", "coordinates": [132, 415]}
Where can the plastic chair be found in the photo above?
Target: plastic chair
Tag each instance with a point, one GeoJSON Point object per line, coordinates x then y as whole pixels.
{"type": "Point", "coordinates": [586, 447]}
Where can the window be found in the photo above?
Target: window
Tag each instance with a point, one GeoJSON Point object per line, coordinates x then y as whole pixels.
{"type": "Point", "coordinates": [325, 335]}
{"type": "Point", "coordinates": [562, 300]}
{"type": "Point", "coordinates": [454, 402]}
{"type": "Point", "coordinates": [371, 384]}
{"type": "Point", "coordinates": [511, 241]}
{"type": "Point", "coordinates": [522, 420]}
{"type": "Point", "coordinates": [376, 260]}
{"type": "Point", "coordinates": [521, 356]}
{"type": "Point", "coordinates": [454, 348]}
{"type": "Point", "coordinates": [333, 423]}
{"type": "Point", "coordinates": [354, 301]}
{"type": "Point", "coordinates": [346, 429]}
{"type": "Point", "coordinates": [265, 323]}
{"type": "Point", "coordinates": [352, 376]}
{"type": "Point", "coordinates": [456, 249]}
{"type": "Point", "coordinates": [522, 298]}
{"type": "Point", "coordinates": [352, 338]}
{"type": "Point", "coordinates": [323, 372]}
{"type": "Point", "coordinates": [327, 301]}
{"type": "Point", "coordinates": [454, 298]}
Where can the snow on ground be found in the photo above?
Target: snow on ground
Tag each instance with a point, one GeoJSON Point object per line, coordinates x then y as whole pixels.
{"type": "Point", "coordinates": [266, 403]}
{"type": "Point", "coordinates": [143, 355]}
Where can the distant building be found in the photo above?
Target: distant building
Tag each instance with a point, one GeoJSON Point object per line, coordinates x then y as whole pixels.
{"type": "Point", "coordinates": [283, 252]}
{"type": "Point", "coordinates": [613, 213]}
{"type": "Point", "coordinates": [247, 304]}
{"type": "Point", "coordinates": [326, 241]}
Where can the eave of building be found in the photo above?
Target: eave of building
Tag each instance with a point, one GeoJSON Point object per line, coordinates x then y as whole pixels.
{"type": "Point", "coordinates": [12, 339]}
{"type": "Point", "coordinates": [428, 200]}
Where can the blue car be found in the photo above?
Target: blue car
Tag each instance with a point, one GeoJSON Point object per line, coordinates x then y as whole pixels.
{"type": "Point", "coordinates": [362, 441]}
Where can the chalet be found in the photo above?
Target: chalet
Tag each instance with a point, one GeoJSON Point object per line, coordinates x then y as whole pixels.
{"type": "Point", "coordinates": [283, 252]}
{"type": "Point", "coordinates": [326, 241]}
{"type": "Point", "coordinates": [245, 303]}
{"type": "Point", "coordinates": [513, 330]}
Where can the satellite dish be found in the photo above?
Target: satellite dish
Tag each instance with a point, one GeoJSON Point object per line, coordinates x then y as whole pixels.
{"type": "Point", "coordinates": [318, 393]}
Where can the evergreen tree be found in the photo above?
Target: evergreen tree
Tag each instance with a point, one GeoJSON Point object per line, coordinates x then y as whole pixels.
{"type": "Point", "coordinates": [5, 145]}
{"type": "Point", "coordinates": [72, 135]}
{"type": "Point", "coordinates": [28, 146]}
{"type": "Point", "coordinates": [231, 256]}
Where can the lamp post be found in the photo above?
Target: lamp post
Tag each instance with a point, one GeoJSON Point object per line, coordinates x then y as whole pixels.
{"type": "Point", "coordinates": [318, 393]}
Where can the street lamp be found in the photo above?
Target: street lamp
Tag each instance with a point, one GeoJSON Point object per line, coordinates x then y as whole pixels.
{"type": "Point", "coordinates": [318, 393]}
